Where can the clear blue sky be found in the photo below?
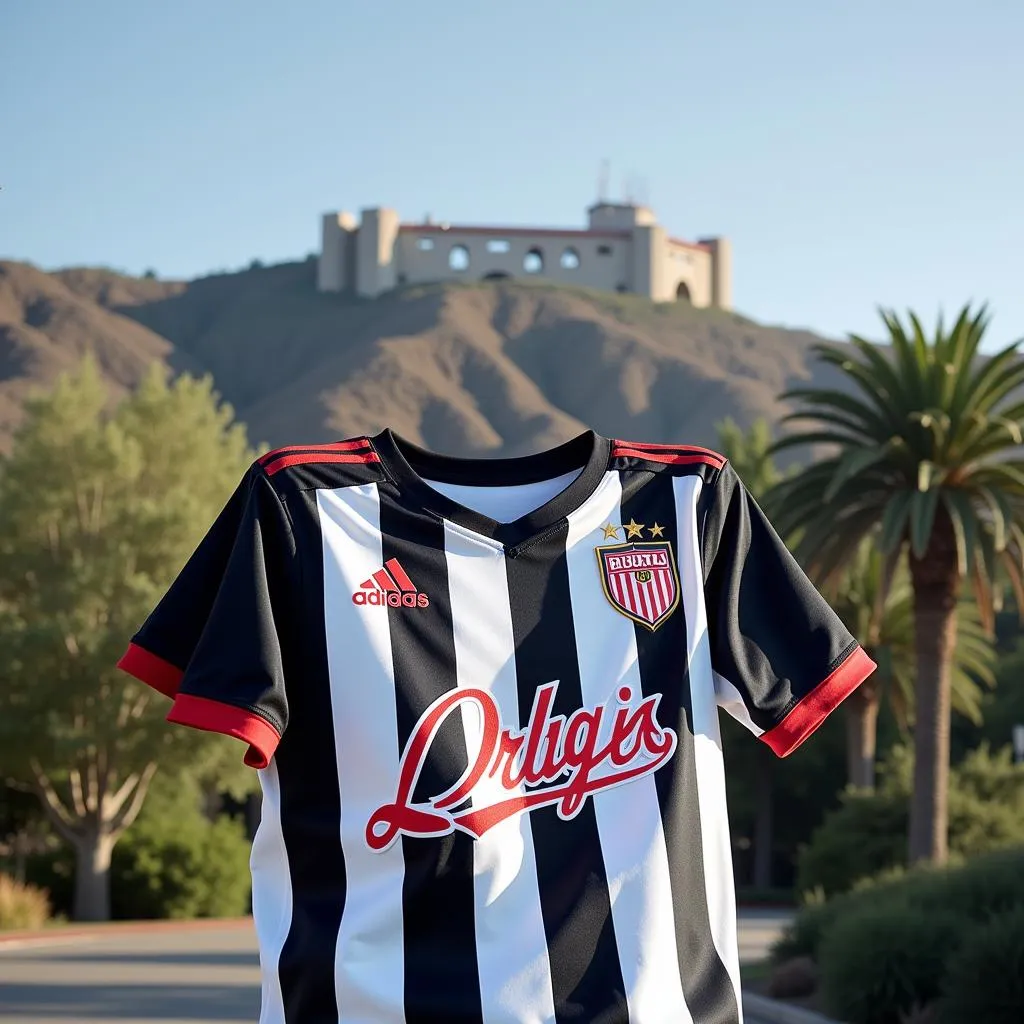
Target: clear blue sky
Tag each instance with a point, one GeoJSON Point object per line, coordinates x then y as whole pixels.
{"type": "Point", "coordinates": [855, 153]}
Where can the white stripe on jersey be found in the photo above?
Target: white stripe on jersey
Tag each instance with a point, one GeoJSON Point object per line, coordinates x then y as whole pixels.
{"type": "Point", "coordinates": [716, 847]}
{"type": "Point", "coordinates": [511, 947]}
{"type": "Point", "coordinates": [628, 817]}
{"type": "Point", "coordinates": [370, 954]}
{"type": "Point", "coordinates": [271, 894]}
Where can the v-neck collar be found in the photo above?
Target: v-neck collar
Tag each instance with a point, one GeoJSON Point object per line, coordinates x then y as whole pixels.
{"type": "Point", "coordinates": [408, 465]}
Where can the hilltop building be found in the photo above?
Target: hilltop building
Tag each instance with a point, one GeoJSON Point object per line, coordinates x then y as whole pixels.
{"type": "Point", "coordinates": [623, 249]}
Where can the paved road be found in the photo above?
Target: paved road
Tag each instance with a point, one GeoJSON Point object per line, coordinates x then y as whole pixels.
{"type": "Point", "coordinates": [208, 976]}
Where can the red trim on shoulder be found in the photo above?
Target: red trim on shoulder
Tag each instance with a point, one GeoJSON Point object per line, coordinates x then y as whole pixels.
{"type": "Point", "coordinates": [650, 446]}
{"type": "Point", "coordinates": [333, 446]}
{"type": "Point", "coordinates": [681, 457]}
{"type": "Point", "coordinates": [302, 458]}
{"type": "Point", "coordinates": [151, 669]}
{"type": "Point", "coordinates": [813, 709]}
{"type": "Point", "coordinates": [213, 716]}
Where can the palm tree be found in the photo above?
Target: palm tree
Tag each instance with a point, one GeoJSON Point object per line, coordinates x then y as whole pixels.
{"type": "Point", "coordinates": [926, 450]}
{"type": "Point", "coordinates": [879, 613]}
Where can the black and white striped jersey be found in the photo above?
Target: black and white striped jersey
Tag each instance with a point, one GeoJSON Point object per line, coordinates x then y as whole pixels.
{"type": "Point", "coordinates": [482, 697]}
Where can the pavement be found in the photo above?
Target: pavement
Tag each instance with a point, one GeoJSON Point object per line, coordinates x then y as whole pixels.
{"type": "Point", "coordinates": [176, 973]}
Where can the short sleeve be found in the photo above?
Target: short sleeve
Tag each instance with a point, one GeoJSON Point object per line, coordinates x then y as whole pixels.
{"type": "Point", "coordinates": [214, 642]}
{"type": "Point", "coordinates": [782, 658]}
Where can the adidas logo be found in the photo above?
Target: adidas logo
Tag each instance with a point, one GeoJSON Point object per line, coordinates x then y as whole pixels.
{"type": "Point", "coordinates": [392, 587]}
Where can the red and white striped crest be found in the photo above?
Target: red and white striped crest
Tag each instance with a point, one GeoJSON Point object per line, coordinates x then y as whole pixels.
{"type": "Point", "coordinates": [640, 580]}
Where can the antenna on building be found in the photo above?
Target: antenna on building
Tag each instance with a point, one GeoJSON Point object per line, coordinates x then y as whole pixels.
{"type": "Point", "coordinates": [602, 181]}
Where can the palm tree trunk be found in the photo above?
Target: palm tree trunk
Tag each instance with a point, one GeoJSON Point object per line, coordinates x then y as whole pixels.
{"type": "Point", "coordinates": [861, 735]}
{"type": "Point", "coordinates": [936, 579]}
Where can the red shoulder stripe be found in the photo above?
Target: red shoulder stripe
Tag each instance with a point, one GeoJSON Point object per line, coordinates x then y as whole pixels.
{"type": "Point", "coordinates": [335, 446]}
{"type": "Point", "coordinates": [674, 458]}
{"type": "Point", "coordinates": [648, 446]}
{"type": "Point", "coordinates": [302, 458]}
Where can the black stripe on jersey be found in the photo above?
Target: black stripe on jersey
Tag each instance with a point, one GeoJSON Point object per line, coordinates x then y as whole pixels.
{"type": "Point", "coordinates": [442, 980]}
{"type": "Point", "coordinates": [586, 978]}
{"type": "Point", "coordinates": [311, 803]}
{"type": "Point", "coordinates": [648, 498]}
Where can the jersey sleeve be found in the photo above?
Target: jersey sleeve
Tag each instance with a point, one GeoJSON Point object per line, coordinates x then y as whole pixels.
{"type": "Point", "coordinates": [214, 642]}
{"type": "Point", "coordinates": [782, 659]}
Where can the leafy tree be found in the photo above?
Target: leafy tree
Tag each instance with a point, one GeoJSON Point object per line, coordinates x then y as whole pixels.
{"type": "Point", "coordinates": [99, 508]}
{"type": "Point", "coordinates": [878, 611]}
{"type": "Point", "coordinates": [750, 452]}
{"type": "Point", "coordinates": [926, 451]}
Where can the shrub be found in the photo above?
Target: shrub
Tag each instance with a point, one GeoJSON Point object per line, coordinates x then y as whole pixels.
{"type": "Point", "coordinates": [984, 887]}
{"type": "Point", "coordinates": [174, 862]}
{"type": "Point", "coordinates": [803, 935]}
{"type": "Point", "coordinates": [866, 834]}
{"type": "Point", "coordinates": [793, 979]}
{"type": "Point", "coordinates": [21, 905]}
{"type": "Point", "coordinates": [985, 977]}
{"type": "Point", "coordinates": [881, 961]}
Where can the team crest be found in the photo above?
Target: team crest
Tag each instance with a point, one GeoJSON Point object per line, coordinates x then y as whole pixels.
{"type": "Point", "coordinates": [640, 580]}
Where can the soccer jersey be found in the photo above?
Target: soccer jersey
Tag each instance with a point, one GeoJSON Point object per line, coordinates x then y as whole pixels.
{"type": "Point", "coordinates": [482, 698]}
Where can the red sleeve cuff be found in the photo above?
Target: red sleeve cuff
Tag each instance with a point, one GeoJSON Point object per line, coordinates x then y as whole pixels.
{"type": "Point", "coordinates": [151, 669]}
{"type": "Point", "coordinates": [213, 716]}
{"type": "Point", "coordinates": [813, 709]}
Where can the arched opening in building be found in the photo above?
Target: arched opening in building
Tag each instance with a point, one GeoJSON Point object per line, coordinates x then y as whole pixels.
{"type": "Point", "coordinates": [458, 258]}
{"type": "Point", "coordinates": [533, 261]}
{"type": "Point", "coordinates": [683, 292]}
{"type": "Point", "coordinates": [570, 259]}
{"type": "Point", "coordinates": [496, 275]}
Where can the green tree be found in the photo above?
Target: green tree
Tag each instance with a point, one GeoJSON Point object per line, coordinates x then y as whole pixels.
{"type": "Point", "coordinates": [877, 607]}
{"type": "Point", "coordinates": [750, 452]}
{"type": "Point", "coordinates": [926, 445]}
{"type": "Point", "coordinates": [99, 508]}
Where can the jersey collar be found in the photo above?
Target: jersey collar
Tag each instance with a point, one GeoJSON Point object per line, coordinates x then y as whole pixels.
{"type": "Point", "coordinates": [407, 464]}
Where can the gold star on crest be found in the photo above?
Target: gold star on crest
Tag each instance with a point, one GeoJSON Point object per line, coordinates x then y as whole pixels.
{"type": "Point", "coordinates": [610, 531]}
{"type": "Point", "coordinates": [656, 530]}
{"type": "Point", "coordinates": [634, 529]}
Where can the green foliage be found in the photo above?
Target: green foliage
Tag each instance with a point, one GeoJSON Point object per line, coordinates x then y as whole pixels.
{"type": "Point", "coordinates": [750, 452]}
{"type": "Point", "coordinates": [974, 891]}
{"type": "Point", "coordinates": [804, 934]}
{"type": "Point", "coordinates": [866, 834]}
{"type": "Point", "coordinates": [879, 961]}
{"type": "Point", "coordinates": [923, 425]}
{"type": "Point", "coordinates": [99, 508]}
{"type": "Point", "coordinates": [22, 905]}
{"type": "Point", "coordinates": [985, 977]}
{"type": "Point", "coordinates": [174, 862]}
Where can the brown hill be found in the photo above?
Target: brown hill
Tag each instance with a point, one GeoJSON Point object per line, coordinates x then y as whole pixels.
{"type": "Point", "coordinates": [491, 368]}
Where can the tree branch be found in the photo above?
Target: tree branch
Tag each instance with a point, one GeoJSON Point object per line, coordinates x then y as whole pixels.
{"type": "Point", "coordinates": [131, 810]}
{"type": "Point", "coordinates": [75, 780]}
{"type": "Point", "coordinates": [55, 810]}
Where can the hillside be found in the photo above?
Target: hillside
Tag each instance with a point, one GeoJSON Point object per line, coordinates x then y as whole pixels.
{"type": "Point", "coordinates": [490, 368]}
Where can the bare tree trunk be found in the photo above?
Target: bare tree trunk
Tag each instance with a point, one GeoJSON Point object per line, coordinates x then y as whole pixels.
{"type": "Point", "coordinates": [93, 851]}
{"type": "Point", "coordinates": [862, 735]}
{"type": "Point", "coordinates": [936, 580]}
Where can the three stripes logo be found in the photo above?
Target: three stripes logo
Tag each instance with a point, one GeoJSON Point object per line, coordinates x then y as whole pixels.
{"type": "Point", "coordinates": [390, 587]}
